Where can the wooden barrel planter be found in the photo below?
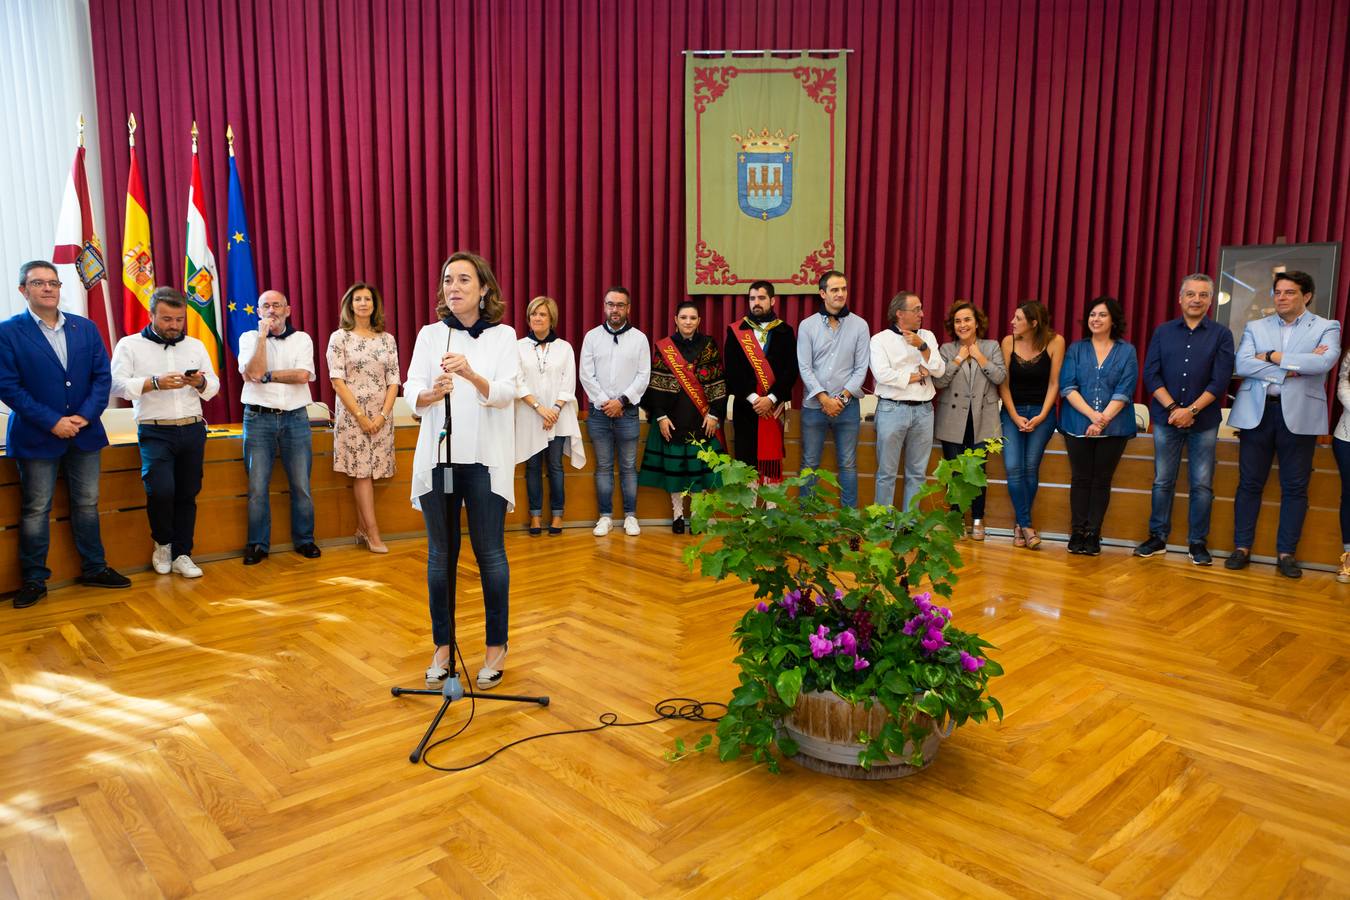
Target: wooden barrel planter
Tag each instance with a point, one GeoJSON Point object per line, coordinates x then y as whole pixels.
{"type": "Point", "coordinates": [826, 728]}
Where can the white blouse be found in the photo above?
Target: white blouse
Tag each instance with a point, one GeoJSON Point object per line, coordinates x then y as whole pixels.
{"type": "Point", "coordinates": [1342, 431]}
{"type": "Point", "coordinates": [549, 373]}
{"type": "Point", "coordinates": [483, 430]}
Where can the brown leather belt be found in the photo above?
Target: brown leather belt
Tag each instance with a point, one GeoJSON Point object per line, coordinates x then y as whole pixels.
{"type": "Point", "coordinates": [186, 420]}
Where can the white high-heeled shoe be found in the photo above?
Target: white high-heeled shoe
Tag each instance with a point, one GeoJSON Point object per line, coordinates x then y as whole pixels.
{"type": "Point", "coordinates": [489, 677]}
{"type": "Point", "coordinates": [437, 672]}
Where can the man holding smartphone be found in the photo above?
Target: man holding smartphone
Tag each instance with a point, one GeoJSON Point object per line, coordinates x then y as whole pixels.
{"type": "Point", "coordinates": [166, 375]}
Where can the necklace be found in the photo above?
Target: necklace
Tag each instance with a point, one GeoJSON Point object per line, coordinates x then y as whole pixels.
{"type": "Point", "coordinates": [541, 359]}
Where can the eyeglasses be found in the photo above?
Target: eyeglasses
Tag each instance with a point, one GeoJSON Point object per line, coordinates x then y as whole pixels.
{"type": "Point", "coordinates": [609, 305]}
{"type": "Point", "coordinates": [40, 283]}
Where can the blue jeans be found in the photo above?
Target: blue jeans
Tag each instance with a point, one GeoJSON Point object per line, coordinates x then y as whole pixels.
{"type": "Point", "coordinates": [1022, 452]}
{"type": "Point", "coordinates": [171, 469]}
{"type": "Point", "coordinates": [611, 437]}
{"type": "Point", "coordinates": [1167, 443]}
{"type": "Point", "coordinates": [844, 429]}
{"type": "Point", "coordinates": [534, 478]}
{"type": "Point", "coordinates": [37, 483]}
{"type": "Point", "coordinates": [1257, 448]}
{"type": "Point", "coordinates": [487, 525]}
{"type": "Point", "coordinates": [1341, 450]}
{"type": "Point", "coordinates": [266, 433]}
{"type": "Point", "coordinates": [904, 431]}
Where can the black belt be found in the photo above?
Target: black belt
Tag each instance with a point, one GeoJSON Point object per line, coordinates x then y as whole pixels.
{"type": "Point", "coordinates": [253, 407]}
{"type": "Point", "coordinates": [911, 402]}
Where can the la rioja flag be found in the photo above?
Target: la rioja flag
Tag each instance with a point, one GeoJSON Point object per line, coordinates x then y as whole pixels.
{"type": "Point", "coordinates": [200, 281]}
{"type": "Point", "coordinates": [78, 254]}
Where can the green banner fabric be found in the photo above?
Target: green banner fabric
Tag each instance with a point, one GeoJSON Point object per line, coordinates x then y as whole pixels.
{"type": "Point", "coordinates": [764, 171]}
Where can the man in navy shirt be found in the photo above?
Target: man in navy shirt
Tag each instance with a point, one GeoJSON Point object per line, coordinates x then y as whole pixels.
{"type": "Point", "coordinates": [1186, 372]}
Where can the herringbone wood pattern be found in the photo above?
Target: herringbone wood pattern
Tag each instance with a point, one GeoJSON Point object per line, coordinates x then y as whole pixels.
{"type": "Point", "coordinates": [1170, 731]}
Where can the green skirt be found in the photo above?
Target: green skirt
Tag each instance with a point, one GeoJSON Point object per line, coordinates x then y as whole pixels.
{"type": "Point", "coordinates": [674, 467]}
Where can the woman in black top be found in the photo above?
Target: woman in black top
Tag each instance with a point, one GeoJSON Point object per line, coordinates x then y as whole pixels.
{"type": "Point", "coordinates": [1034, 353]}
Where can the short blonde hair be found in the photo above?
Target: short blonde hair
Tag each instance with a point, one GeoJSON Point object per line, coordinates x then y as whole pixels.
{"type": "Point", "coordinates": [547, 303]}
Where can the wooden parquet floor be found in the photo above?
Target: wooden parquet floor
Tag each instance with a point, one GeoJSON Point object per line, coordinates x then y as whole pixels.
{"type": "Point", "coordinates": [1170, 731]}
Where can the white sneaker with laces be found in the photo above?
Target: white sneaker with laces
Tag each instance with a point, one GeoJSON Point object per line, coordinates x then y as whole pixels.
{"type": "Point", "coordinates": [162, 560]}
{"type": "Point", "coordinates": [184, 566]}
{"type": "Point", "coordinates": [631, 527]}
{"type": "Point", "coordinates": [603, 526]}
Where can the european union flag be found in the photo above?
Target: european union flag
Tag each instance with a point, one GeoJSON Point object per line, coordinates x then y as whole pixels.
{"type": "Point", "coordinates": [241, 283]}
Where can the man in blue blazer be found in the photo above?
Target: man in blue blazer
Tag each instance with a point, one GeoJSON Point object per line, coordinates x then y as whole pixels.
{"type": "Point", "coordinates": [1279, 411]}
{"type": "Point", "coordinates": [55, 377]}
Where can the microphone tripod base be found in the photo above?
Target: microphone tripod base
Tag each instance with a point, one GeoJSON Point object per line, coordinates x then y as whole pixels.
{"type": "Point", "coordinates": [450, 691]}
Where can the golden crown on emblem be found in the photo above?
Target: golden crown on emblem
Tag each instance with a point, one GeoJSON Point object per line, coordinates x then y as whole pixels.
{"type": "Point", "coordinates": [765, 142]}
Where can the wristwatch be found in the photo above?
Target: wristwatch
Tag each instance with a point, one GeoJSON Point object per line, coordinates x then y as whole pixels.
{"type": "Point", "coordinates": [536, 404]}
{"type": "Point", "coordinates": [267, 378]}
{"type": "Point", "coordinates": [1267, 355]}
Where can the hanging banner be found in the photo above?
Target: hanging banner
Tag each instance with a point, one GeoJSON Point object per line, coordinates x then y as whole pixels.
{"type": "Point", "coordinates": [764, 171]}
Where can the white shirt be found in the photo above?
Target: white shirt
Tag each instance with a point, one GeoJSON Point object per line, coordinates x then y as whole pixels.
{"type": "Point", "coordinates": [894, 360]}
{"type": "Point", "coordinates": [548, 372]}
{"type": "Point", "coordinates": [295, 352]}
{"type": "Point", "coordinates": [484, 428]}
{"type": "Point", "coordinates": [55, 334]}
{"type": "Point", "coordinates": [136, 358]}
{"type": "Point", "coordinates": [609, 370]}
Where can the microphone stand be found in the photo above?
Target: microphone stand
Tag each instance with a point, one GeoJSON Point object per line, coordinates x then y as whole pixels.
{"type": "Point", "coordinates": [450, 689]}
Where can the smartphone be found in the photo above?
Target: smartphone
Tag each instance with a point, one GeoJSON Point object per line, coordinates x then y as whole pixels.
{"type": "Point", "coordinates": [190, 372]}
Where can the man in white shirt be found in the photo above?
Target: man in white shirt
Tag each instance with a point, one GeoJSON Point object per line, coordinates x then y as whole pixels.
{"type": "Point", "coordinates": [616, 364]}
{"type": "Point", "coordinates": [166, 374]}
{"type": "Point", "coordinates": [905, 360]}
{"type": "Point", "coordinates": [277, 363]}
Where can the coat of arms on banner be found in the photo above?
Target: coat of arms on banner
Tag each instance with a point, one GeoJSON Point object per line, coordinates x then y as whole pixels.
{"type": "Point", "coordinates": [764, 174]}
{"type": "Point", "coordinates": [771, 205]}
{"type": "Point", "coordinates": [89, 263]}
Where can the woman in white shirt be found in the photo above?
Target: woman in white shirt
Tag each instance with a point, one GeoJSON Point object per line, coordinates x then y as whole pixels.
{"type": "Point", "coordinates": [1340, 446]}
{"type": "Point", "coordinates": [468, 358]}
{"type": "Point", "coordinates": [546, 413]}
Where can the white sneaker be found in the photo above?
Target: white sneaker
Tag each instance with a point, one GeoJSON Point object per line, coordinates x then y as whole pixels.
{"type": "Point", "coordinates": [184, 566]}
{"type": "Point", "coordinates": [603, 526]}
{"type": "Point", "coordinates": [631, 527]}
{"type": "Point", "coordinates": [161, 559]}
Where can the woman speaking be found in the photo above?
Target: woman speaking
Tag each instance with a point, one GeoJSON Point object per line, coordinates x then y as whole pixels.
{"type": "Point", "coordinates": [469, 357]}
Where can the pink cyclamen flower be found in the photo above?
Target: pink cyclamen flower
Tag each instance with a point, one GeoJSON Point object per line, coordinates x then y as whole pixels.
{"type": "Point", "coordinates": [946, 613]}
{"type": "Point", "coordinates": [839, 593]}
{"type": "Point", "coordinates": [924, 601]}
{"type": "Point", "coordinates": [971, 663]}
{"type": "Point", "coordinates": [846, 643]}
{"type": "Point", "coordinates": [761, 606]}
{"type": "Point", "coordinates": [859, 664]}
{"type": "Point", "coordinates": [912, 625]}
{"type": "Point", "coordinates": [821, 645]}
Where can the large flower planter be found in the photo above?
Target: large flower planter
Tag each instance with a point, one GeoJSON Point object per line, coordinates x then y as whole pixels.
{"type": "Point", "coordinates": [826, 728]}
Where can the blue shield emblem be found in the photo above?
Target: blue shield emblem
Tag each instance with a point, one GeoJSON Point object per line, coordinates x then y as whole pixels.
{"type": "Point", "coordinates": [764, 183]}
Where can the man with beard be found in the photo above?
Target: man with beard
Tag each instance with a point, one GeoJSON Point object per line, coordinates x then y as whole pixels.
{"type": "Point", "coordinates": [166, 375]}
{"type": "Point", "coordinates": [616, 365]}
{"type": "Point", "coordinates": [761, 370]}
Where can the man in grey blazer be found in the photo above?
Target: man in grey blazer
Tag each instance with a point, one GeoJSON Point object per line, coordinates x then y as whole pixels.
{"type": "Point", "coordinates": [1279, 411]}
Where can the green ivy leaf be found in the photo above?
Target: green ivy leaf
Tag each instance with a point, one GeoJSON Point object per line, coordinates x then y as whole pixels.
{"type": "Point", "coordinates": [789, 685]}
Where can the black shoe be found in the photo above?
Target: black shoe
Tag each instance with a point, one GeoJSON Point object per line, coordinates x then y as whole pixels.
{"type": "Point", "coordinates": [1287, 566]}
{"type": "Point", "coordinates": [1199, 554]}
{"type": "Point", "coordinates": [555, 529]}
{"type": "Point", "coordinates": [30, 593]}
{"type": "Point", "coordinates": [1238, 559]}
{"type": "Point", "coordinates": [1076, 542]}
{"type": "Point", "coordinates": [108, 578]}
{"type": "Point", "coordinates": [309, 551]}
{"type": "Point", "coordinates": [254, 554]}
{"type": "Point", "coordinates": [677, 526]}
{"type": "Point", "coordinates": [1153, 545]}
{"type": "Point", "coordinates": [1092, 543]}
{"type": "Point", "coordinates": [536, 530]}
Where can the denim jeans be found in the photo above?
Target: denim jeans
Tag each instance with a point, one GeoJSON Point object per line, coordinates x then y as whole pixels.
{"type": "Point", "coordinates": [1257, 448]}
{"type": "Point", "coordinates": [844, 429]}
{"type": "Point", "coordinates": [487, 526]}
{"type": "Point", "coordinates": [37, 483]}
{"type": "Point", "coordinates": [904, 431]}
{"type": "Point", "coordinates": [534, 478]}
{"type": "Point", "coordinates": [611, 437]}
{"type": "Point", "coordinates": [265, 434]}
{"type": "Point", "coordinates": [1022, 453]}
{"type": "Point", "coordinates": [171, 469]}
{"type": "Point", "coordinates": [1168, 441]}
{"type": "Point", "coordinates": [1341, 450]}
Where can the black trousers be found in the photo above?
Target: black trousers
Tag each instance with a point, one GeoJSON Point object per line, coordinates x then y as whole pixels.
{"type": "Point", "coordinates": [951, 450]}
{"type": "Point", "coordinates": [171, 468]}
{"type": "Point", "coordinates": [1092, 462]}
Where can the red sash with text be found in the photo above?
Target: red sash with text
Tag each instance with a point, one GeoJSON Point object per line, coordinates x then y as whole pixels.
{"type": "Point", "coordinates": [685, 374]}
{"type": "Point", "coordinates": [769, 446]}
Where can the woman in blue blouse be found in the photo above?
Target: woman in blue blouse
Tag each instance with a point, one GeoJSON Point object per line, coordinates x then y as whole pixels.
{"type": "Point", "coordinates": [1097, 381]}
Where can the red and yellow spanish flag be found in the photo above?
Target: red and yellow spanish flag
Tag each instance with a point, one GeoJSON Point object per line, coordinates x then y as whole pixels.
{"type": "Point", "coordinates": [138, 266]}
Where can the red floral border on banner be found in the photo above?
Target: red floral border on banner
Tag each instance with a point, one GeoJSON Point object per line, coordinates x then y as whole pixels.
{"type": "Point", "coordinates": [710, 83]}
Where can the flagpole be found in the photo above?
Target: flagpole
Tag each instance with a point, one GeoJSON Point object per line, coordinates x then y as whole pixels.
{"type": "Point", "coordinates": [131, 131]}
{"type": "Point", "coordinates": [194, 137]}
{"type": "Point", "coordinates": [79, 123]}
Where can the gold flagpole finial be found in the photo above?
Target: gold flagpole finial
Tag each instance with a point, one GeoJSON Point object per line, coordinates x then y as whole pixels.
{"type": "Point", "coordinates": [79, 122]}
{"type": "Point", "coordinates": [229, 137]}
{"type": "Point", "coordinates": [194, 135]}
{"type": "Point", "coordinates": [131, 130]}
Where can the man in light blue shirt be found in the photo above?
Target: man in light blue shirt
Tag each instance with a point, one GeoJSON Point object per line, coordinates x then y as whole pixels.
{"type": "Point", "coordinates": [833, 354]}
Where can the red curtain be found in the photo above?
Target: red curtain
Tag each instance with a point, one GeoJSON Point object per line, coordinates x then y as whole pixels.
{"type": "Point", "coordinates": [998, 152]}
